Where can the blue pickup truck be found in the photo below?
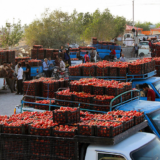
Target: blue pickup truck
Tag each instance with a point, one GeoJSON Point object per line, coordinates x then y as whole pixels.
{"type": "Point", "coordinates": [34, 70]}
{"type": "Point", "coordinates": [151, 109]}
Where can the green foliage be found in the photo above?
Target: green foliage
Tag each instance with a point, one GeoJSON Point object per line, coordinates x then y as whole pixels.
{"type": "Point", "coordinates": [158, 25]}
{"type": "Point", "coordinates": [144, 25]}
{"type": "Point", "coordinates": [59, 28]}
{"type": "Point", "coordinates": [11, 34]}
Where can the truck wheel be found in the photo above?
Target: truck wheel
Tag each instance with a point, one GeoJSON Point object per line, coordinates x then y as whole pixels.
{"type": "Point", "coordinates": [141, 54]}
{"type": "Point", "coordinates": [106, 58]}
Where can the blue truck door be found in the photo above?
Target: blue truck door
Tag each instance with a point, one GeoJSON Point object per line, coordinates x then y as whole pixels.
{"type": "Point", "coordinates": [153, 119]}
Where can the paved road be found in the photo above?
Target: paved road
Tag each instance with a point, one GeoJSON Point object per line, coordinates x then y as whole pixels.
{"type": "Point", "coordinates": [8, 101]}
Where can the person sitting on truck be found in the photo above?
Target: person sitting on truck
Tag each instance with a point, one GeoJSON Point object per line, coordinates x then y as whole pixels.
{"type": "Point", "coordinates": [66, 64]}
{"type": "Point", "coordinates": [28, 71]}
{"type": "Point", "coordinates": [122, 58]}
{"type": "Point", "coordinates": [51, 65]}
{"type": "Point", "coordinates": [112, 54]}
{"type": "Point", "coordinates": [150, 93]}
{"type": "Point", "coordinates": [46, 67]}
{"type": "Point", "coordinates": [86, 57]}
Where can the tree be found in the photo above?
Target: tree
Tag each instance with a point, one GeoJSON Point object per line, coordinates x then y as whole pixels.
{"type": "Point", "coordinates": [120, 25]}
{"type": "Point", "coordinates": [11, 34]}
{"type": "Point", "coordinates": [104, 26]}
{"type": "Point", "coordinates": [144, 25]}
{"type": "Point", "coordinates": [158, 25]}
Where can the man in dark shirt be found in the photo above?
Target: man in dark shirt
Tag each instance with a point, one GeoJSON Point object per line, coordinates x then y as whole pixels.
{"type": "Point", "coordinates": [28, 71]}
{"type": "Point", "coordinates": [150, 93]}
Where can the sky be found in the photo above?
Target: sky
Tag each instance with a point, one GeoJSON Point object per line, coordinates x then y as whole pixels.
{"type": "Point", "coordinates": [28, 10]}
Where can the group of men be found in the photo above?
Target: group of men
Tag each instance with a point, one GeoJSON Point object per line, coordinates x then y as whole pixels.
{"type": "Point", "coordinates": [13, 76]}
{"type": "Point", "coordinates": [48, 64]}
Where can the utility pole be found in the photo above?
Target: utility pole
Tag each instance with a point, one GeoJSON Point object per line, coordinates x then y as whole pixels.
{"type": "Point", "coordinates": [133, 12]}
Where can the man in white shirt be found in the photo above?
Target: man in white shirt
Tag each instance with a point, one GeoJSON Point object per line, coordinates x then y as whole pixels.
{"type": "Point", "coordinates": [62, 65]}
{"type": "Point", "coordinates": [19, 79]}
{"type": "Point", "coordinates": [122, 58]}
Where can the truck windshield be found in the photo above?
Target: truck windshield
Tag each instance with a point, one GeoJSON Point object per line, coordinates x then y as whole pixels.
{"type": "Point", "coordinates": [157, 86]}
{"type": "Point", "coordinates": [143, 43]}
{"type": "Point", "coordinates": [155, 119]}
{"type": "Point", "coordinates": [150, 151]}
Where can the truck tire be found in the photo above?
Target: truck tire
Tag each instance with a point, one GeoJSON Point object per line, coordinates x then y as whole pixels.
{"type": "Point", "coordinates": [141, 54]}
{"type": "Point", "coordinates": [106, 58]}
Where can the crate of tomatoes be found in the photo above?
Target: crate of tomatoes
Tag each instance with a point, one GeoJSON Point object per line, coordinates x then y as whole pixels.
{"type": "Point", "coordinates": [41, 127]}
{"type": "Point", "coordinates": [108, 129]}
{"type": "Point", "coordinates": [88, 69]}
{"type": "Point", "coordinates": [44, 104]}
{"type": "Point", "coordinates": [102, 102]}
{"type": "Point", "coordinates": [62, 96]}
{"type": "Point", "coordinates": [64, 131]}
{"type": "Point", "coordinates": [66, 115]}
{"type": "Point", "coordinates": [75, 70]}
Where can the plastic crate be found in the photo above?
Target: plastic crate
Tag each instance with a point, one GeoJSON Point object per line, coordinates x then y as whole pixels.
{"type": "Point", "coordinates": [85, 100]}
{"type": "Point", "coordinates": [77, 71]}
{"type": "Point", "coordinates": [113, 91]}
{"type": "Point", "coordinates": [70, 134]}
{"type": "Point", "coordinates": [139, 119]}
{"type": "Point", "coordinates": [75, 88]}
{"type": "Point", "coordinates": [98, 90]}
{"type": "Point", "coordinates": [14, 147]}
{"type": "Point", "coordinates": [103, 131]}
{"type": "Point", "coordinates": [122, 71]}
{"type": "Point", "coordinates": [64, 97]}
{"type": "Point", "coordinates": [33, 53]}
{"type": "Point", "coordinates": [102, 71]}
{"type": "Point", "coordinates": [87, 89]}
{"type": "Point", "coordinates": [86, 130]}
{"type": "Point", "coordinates": [88, 71]}
{"type": "Point", "coordinates": [66, 149]}
{"type": "Point", "coordinates": [39, 146]}
{"type": "Point", "coordinates": [14, 130]}
{"type": "Point", "coordinates": [101, 105]}
{"type": "Point", "coordinates": [135, 69]}
{"type": "Point", "coordinates": [66, 117]}
{"type": "Point", "coordinates": [39, 131]}
{"type": "Point", "coordinates": [113, 71]}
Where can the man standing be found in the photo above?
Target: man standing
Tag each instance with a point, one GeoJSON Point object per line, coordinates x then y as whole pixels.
{"type": "Point", "coordinates": [61, 49]}
{"type": "Point", "coordinates": [86, 57]}
{"type": "Point", "coordinates": [51, 65]}
{"type": "Point", "coordinates": [150, 93]}
{"type": "Point", "coordinates": [28, 71]}
{"type": "Point", "coordinates": [46, 67]}
{"type": "Point", "coordinates": [67, 57]}
{"type": "Point", "coordinates": [19, 79]}
{"type": "Point", "coordinates": [92, 56]}
{"type": "Point", "coordinates": [122, 58]}
{"type": "Point", "coordinates": [136, 50]}
{"type": "Point", "coordinates": [62, 65]}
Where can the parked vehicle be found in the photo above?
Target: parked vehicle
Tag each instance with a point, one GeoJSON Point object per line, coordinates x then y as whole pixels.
{"type": "Point", "coordinates": [143, 48]}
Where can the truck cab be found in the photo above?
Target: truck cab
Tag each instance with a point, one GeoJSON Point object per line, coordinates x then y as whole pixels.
{"type": "Point", "coordinates": [140, 146]}
{"type": "Point", "coordinates": [153, 83]}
